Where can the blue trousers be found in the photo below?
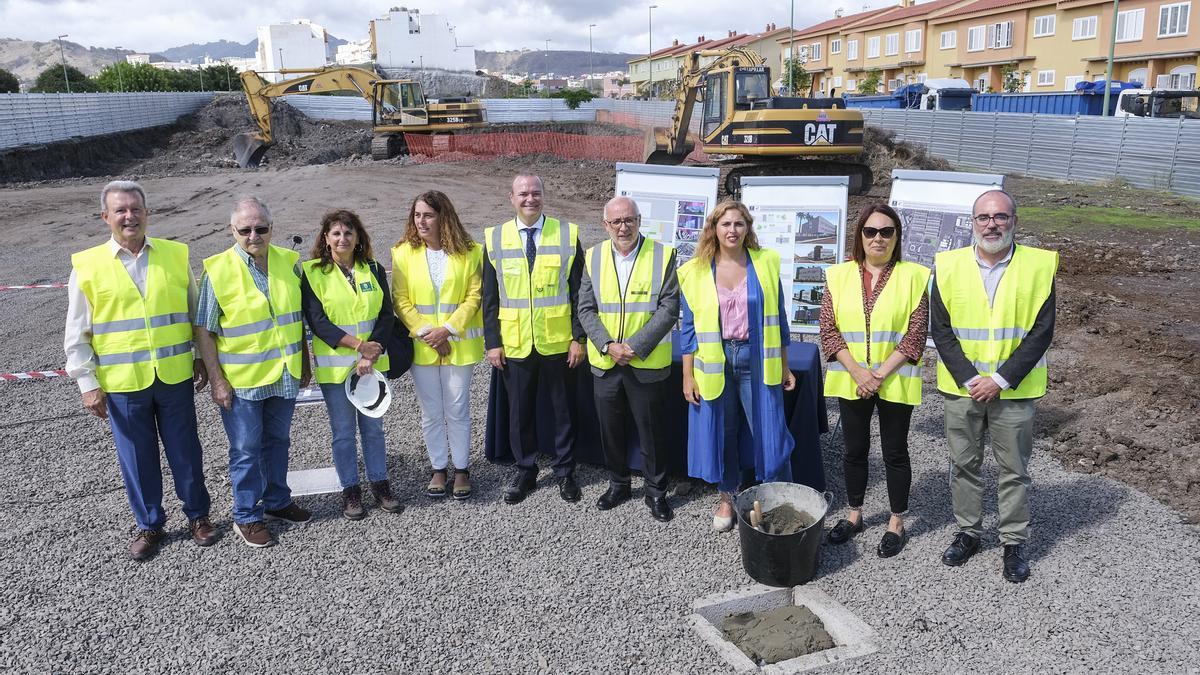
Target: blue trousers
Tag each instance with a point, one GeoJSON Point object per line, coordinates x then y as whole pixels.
{"type": "Point", "coordinates": [138, 419]}
{"type": "Point", "coordinates": [259, 437]}
{"type": "Point", "coordinates": [738, 400]}
{"type": "Point", "coordinates": [343, 417]}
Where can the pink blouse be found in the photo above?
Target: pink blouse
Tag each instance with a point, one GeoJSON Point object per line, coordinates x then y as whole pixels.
{"type": "Point", "coordinates": [735, 319]}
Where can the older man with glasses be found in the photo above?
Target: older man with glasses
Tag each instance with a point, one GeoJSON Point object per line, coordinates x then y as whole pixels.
{"type": "Point", "coordinates": [992, 319]}
{"type": "Point", "coordinates": [253, 344]}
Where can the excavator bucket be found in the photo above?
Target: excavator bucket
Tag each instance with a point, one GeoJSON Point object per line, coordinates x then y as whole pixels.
{"type": "Point", "coordinates": [658, 146]}
{"type": "Point", "coordinates": [248, 149]}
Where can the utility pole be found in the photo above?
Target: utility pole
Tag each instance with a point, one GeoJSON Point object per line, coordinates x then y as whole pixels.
{"type": "Point", "coordinates": [1112, 47]}
{"type": "Point", "coordinates": [546, 79]}
{"type": "Point", "coordinates": [792, 51]}
{"type": "Point", "coordinates": [117, 66]}
{"type": "Point", "coordinates": [590, 66]}
{"type": "Point", "coordinates": [650, 46]}
{"type": "Point", "coordinates": [61, 55]}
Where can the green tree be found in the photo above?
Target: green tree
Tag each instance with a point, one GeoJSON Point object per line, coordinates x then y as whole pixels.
{"type": "Point", "coordinates": [574, 97]}
{"type": "Point", "coordinates": [223, 77]}
{"type": "Point", "coordinates": [123, 76]}
{"type": "Point", "coordinates": [1011, 79]}
{"type": "Point", "coordinates": [800, 80]}
{"type": "Point", "coordinates": [870, 83]}
{"type": "Point", "coordinates": [50, 81]}
{"type": "Point", "coordinates": [9, 83]}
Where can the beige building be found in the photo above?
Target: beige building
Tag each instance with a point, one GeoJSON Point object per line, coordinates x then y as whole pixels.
{"type": "Point", "coordinates": [825, 51]}
{"type": "Point", "coordinates": [665, 63]}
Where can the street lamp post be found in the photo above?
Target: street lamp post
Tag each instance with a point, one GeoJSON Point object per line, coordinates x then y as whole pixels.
{"type": "Point", "coordinates": [590, 66]}
{"type": "Point", "coordinates": [117, 66]}
{"type": "Point", "coordinates": [281, 63]}
{"type": "Point", "coordinates": [546, 86]}
{"type": "Point", "coordinates": [650, 47]}
{"type": "Point", "coordinates": [792, 51]}
{"type": "Point", "coordinates": [61, 55]}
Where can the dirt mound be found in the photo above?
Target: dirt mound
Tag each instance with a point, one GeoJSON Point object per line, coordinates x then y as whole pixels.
{"type": "Point", "coordinates": [882, 152]}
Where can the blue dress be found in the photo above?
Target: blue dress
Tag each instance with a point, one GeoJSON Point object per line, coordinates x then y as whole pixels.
{"type": "Point", "coordinates": [765, 444]}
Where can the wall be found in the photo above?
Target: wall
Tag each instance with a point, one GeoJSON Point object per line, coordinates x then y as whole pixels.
{"type": "Point", "coordinates": [303, 46]}
{"type": "Point", "coordinates": [409, 39]}
{"type": "Point", "coordinates": [31, 119]}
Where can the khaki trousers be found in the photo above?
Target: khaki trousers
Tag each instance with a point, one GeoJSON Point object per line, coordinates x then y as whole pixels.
{"type": "Point", "coordinates": [1010, 423]}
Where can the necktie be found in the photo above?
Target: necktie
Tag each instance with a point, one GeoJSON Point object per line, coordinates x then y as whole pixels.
{"type": "Point", "coordinates": [530, 246]}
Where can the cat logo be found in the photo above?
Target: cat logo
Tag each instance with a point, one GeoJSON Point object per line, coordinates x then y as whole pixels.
{"type": "Point", "coordinates": [819, 134]}
{"type": "Point", "coordinates": [725, 139]}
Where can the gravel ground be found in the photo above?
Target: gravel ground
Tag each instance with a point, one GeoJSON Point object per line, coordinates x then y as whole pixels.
{"type": "Point", "coordinates": [484, 587]}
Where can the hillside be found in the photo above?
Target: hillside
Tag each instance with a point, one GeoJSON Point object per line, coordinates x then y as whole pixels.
{"type": "Point", "coordinates": [561, 62]}
{"type": "Point", "coordinates": [224, 48]}
{"type": "Point", "coordinates": [26, 58]}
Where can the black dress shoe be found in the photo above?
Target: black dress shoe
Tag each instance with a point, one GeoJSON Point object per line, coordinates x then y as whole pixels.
{"type": "Point", "coordinates": [613, 497]}
{"type": "Point", "coordinates": [568, 489]}
{"type": "Point", "coordinates": [660, 508]}
{"type": "Point", "coordinates": [961, 549]}
{"type": "Point", "coordinates": [844, 530]}
{"type": "Point", "coordinates": [519, 488]}
{"type": "Point", "coordinates": [1016, 569]}
{"type": "Point", "coordinates": [892, 543]}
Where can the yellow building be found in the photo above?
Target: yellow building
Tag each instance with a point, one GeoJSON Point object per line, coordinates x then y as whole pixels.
{"type": "Point", "coordinates": [825, 49]}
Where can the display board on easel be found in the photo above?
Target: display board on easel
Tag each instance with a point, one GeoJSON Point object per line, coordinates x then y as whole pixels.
{"type": "Point", "coordinates": [804, 219]}
{"type": "Point", "coordinates": [673, 201]}
{"type": "Point", "coordinates": [935, 207]}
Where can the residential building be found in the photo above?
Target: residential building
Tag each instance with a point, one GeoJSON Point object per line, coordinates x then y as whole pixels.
{"type": "Point", "coordinates": [354, 53]}
{"type": "Point", "coordinates": [666, 63]}
{"type": "Point", "coordinates": [406, 38]}
{"type": "Point", "coordinates": [825, 52]}
{"type": "Point", "coordinates": [296, 45]}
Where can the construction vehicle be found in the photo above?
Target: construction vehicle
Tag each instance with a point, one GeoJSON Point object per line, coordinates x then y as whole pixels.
{"type": "Point", "coordinates": [763, 134]}
{"type": "Point", "coordinates": [398, 107]}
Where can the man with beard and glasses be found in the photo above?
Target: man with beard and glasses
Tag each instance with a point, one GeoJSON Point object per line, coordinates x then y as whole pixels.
{"type": "Point", "coordinates": [992, 319]}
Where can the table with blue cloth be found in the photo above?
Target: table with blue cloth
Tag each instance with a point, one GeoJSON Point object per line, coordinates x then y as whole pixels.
{"type": "Point", "coordinates": [804, 408]}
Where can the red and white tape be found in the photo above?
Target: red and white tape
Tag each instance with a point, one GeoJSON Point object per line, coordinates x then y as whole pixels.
{"type": "Point", "coordinates": [19, 288]}
{"type": "Point", "coordinates": [33, 375]}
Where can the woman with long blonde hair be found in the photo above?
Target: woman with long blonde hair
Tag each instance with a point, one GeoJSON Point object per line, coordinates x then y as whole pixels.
{"type": "Point", "coordinates": [734, 344]}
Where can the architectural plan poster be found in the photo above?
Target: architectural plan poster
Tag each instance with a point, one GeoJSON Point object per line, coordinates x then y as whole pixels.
{"type": "Point", "coordinates": [673, 201]}
{"type": "Point", "coordinates": [935, 207]}
{"type": "Point", "coordinates": [804, 219]}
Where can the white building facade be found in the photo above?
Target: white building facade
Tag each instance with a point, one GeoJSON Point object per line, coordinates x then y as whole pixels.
{"type": "Point", "coordinates": [405, 38]}
{"type": "Point", "coordinates": [299, 44]}
{"type": "Point", "coordinates": [355, 52]}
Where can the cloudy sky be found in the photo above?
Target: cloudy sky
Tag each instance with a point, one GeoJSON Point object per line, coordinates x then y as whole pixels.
{"type": "Point", "coordinates": [621, 25]}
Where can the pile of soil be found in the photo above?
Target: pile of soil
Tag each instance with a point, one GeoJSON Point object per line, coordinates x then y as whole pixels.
{"type": "Point", "coordinates": [777, 635]}
{"type": "Point", "coordinates": [882, 152]}
{"type": "Point", "coordinates": [783, 519]}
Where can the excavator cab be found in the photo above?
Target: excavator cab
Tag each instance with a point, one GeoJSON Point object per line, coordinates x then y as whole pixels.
{"type": "Point", "coordinates": [752, 87]}
{"type": "Point", "coordinates": [400, 102]}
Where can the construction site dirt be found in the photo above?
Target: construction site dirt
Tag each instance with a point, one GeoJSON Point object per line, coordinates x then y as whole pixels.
{"type": "Point", "coordinates": [1125, 378]}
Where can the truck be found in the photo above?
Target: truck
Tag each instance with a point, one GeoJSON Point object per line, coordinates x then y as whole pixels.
{"type": "Point", "coordinates": [932, 94]}
{"type": "Point", "coordinates": [1126, 99]}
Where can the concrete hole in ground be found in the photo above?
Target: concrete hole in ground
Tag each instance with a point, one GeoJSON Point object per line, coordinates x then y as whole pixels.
{"type": "Point", "coordinates": [851, 636]}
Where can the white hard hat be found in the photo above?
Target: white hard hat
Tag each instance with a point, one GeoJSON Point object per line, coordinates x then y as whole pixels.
{"type": "Point", "coordinates": [370, 393]}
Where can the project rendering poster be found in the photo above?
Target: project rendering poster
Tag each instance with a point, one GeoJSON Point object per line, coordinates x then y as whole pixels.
{"type": "Point", "coordinates": [673, 201]}
{"type": "Point", "coordinates": [935, 207]}
{"type": "Point", "coordinates": [804, 219]}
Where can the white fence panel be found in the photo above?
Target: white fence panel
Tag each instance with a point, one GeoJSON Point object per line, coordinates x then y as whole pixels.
{"type": "Point", "coordinates": [33, 119]}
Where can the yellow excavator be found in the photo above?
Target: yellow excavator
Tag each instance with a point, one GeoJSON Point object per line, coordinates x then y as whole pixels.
{"type": "Point", "coordinates": [398, 107]}
{"type": "Point", "coordinates": [758, 132]}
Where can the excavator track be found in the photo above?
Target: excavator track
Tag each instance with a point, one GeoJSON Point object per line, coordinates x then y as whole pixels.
{"type": "Point", "coordinates": [387, 146]}
{"type": "Point", "coordinates": [732, 172]}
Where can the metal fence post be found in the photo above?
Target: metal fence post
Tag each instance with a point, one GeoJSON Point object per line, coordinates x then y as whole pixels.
{"type": "Point", "coordinates": [1175, 153]}
{"type": "Point", "coordinates": [1029, 143]}
{"type": "Point", "coordinates": [1071, 154]}
{"type": "Point", "coordinates": [1120, 148]}
{"type": "Point", "coordinates": [992, 140]}
{"type": "Point", "coordinates": [962, 123]}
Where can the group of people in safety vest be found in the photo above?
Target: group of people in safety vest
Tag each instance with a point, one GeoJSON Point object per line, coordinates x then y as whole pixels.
{"type": "Point", "coordinates": [536, 305]}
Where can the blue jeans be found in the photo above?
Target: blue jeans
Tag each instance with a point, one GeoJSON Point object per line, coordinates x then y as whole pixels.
{"type": "Point", "coordinates": [138, 419]}
{"type": "Point", "coordinates": [738, 402]}
{"type": "Point", "coordinates": [259, 438]}
{"type": "Point", "coordinates": [342, 418]}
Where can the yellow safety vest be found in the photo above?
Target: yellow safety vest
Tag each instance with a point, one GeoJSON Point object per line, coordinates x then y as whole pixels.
{"type": "Point", "coordinates": [136, 338]}
{"type": "Point", "coordinates": [466, 348]}
{"type": "Point", "coordinates": [889, 322]}
{"type": "Point", "coordinates": [624, 315]}
{"type": "Point", "coordinates": [700, 290]}
{"type": "Point", "coordinates": [257, 337]}
{"type": "Point", "coordinates": [990, 334]}
{"type": "Point", "coordinates": [535, 304]}
{"type": "Point", "coordinates": [353, 309]}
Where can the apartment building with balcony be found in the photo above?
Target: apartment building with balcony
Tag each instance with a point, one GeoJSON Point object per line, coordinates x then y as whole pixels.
{"type": "Point", "coordinates": [825, 50]}
{"type": "Point", "coordinates": [665, 63]}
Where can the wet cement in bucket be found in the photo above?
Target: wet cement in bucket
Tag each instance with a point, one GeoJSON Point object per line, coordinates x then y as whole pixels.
{"type": "Point", "coordinates": [783, 519]}
{"type": "Point", "coordinates": [777, 635]}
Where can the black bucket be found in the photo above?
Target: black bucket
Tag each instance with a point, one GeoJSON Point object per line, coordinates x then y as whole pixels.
{"type": "Point", "coordinates": [783, 560]}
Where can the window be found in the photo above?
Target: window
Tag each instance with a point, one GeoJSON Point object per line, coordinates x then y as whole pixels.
{"type": "Point", "coordinates": [912, 41]}
{"type": "Point", "coordinates": [893, 85]}
{"type": "Point", "coordinates": [873, 47]}
{"type": "Point", "coordinates": [1000, 35]}
{"type": "Point", "coordinates": [949, 39]}
{"type": "Point", "coordinates": [1043, 26]}
{"type": "Point", "coordinates": [1045, 78]}
{"type": "Point", "coordinates": [982, 83]}
{"type": "Point", "coordinates": [921, 77]}
{"type": "Point", "coordinates": [1129, 25]}
{"type": "Point", "coordinates": [835, 46]}
{"type": "Point", "coordinates": [1173, 19]}
{"type": "Point", "coordinates": [851, 85]}
{"type": "Point", "coordinates": [837, 81]}
{"type": "Point", "coordinates": [1070, 81]}
{"type": "Point", "coordinates": [814, 51]}
{"type": "Point", "coordinates": [1083, 28]}
{"type": "Point", "coordinates": [975, 37]}
{"type": "Point", "coordinates": [891, 44]}
{"type": "Point", "coordinates": [1183, 77]}
{"type": "Point", "coordinates": [852, 50]}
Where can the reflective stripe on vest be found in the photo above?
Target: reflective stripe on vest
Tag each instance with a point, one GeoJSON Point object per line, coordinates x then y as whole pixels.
{"type": "Point", "coordinates": [535, 304]}
{"type": "Point", "coordinates": [411, 267]}
{"type": "Point", "coordinates": [700, 290]}
{"type": "Point", "coordinates": [257, 337]}
{"type": "Point", "coordinates": [354, 308]}
{"type": "Point", "coordinates": [138, 338]}
{"type": "Point", "coordinates": [622, 316]}
{"type": "Point", "coordinates": [989, 334]}
{"type": "Point", "coordinates": [906, 286]}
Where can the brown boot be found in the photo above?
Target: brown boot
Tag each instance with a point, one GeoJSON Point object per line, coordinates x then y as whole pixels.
{"type": "Point", "coordinates": [145, 544]}
{"type": "Point", "coordinates": [203, 533]}
{"type": "Point", "coordinates": [382, 490]}
{"type": "Point", "coordinates": [352, 507]}
{"type": "Point", "coordinates": [255, 534]}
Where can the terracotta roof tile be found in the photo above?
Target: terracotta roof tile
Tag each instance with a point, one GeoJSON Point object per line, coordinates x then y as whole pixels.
{"type": "Point", "coordinates": [909, 12]}
{"type": "Point", "coordinates": [985, 5]}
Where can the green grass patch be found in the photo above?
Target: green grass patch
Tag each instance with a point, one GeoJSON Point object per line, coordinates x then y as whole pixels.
{"type": "Point", "coordinates": [1073, 218]}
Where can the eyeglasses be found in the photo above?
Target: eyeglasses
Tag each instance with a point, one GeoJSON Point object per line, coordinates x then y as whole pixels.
{"type": "Point", "coordinates": [885, 232]}
{"type": "Point", "coordinates": [1000, 219]}
{"type": "Point", "coordinates": [623, 222]}
{"type": "Point", "coordinates": [258, 229]}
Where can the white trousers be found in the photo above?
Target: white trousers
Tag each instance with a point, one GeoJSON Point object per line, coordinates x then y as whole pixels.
{"type": "Point", "coordinates": [445, 396]}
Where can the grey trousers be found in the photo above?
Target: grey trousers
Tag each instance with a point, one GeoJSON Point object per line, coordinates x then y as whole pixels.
{"type": "Point", "coordinates": [1011, 425]}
